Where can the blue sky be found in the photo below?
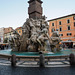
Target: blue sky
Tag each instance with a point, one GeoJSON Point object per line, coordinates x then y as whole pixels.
{"type": "Point", "coordinates": [13, 13]}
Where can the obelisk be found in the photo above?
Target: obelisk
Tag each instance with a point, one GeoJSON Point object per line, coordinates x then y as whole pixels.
{"type": "Point", "coordinates": [35, 9]}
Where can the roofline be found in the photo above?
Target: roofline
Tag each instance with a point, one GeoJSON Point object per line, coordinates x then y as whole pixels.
{"type": "Point", "coordinates": [18, 28]}
{"type": "Point", "coordinates": [8, 32]}
{"type": "Point", "coordinates": [61, 17]}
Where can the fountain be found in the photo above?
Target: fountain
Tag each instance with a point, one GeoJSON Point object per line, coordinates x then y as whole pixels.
{"type": "Point", "coordinates": [35, 37]}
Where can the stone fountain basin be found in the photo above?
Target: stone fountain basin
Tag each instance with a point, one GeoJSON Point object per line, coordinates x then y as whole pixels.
{"type": "Point", "coordinates": [36, 54]}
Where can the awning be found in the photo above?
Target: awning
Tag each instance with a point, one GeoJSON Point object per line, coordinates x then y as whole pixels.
{"type": "Point", "coordinates": [67, 41]}
{"type": "Point", "coordinates": [4, 43]}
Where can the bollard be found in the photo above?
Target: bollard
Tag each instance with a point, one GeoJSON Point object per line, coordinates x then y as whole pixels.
{"type": "Point", "coordinates": [72, 59]}
{"type": "Point", "coordinates": [13, 60]}
{"type": "Point", "coordinates": [8, 59]}
{"type": "Point", "coordinates": [18, 59]}
{"type": "Point", "coordinates": [41, 60]}
{"type": "Point", "coordinates": [66, 58]}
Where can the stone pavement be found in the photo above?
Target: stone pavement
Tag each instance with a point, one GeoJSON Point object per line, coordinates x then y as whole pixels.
{"type": "Point", "coordinates": [22, 63]}
{"type": "Point", "coordinates": [31, 68]}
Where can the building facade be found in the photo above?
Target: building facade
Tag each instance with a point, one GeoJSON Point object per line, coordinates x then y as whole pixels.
{"type": "Point", "coordinates": [1, 35]}
{"type": "Point", "coordinates": [65, 26]}
{"type": "Point", "coordinates": [8, 32]}
{"type": "Point", "coordinates": [19, 30]}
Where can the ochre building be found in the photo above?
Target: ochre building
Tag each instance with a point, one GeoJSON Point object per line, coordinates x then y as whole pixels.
{"type": "Point", "coordinates": [19, 30]}
{"type": "Point", "coordinates": [65, 26]}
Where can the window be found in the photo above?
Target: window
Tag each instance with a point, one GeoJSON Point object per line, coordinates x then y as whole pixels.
{"type": "Point", "coordinates": [69, 34]}
{"type": "Point", "coordinates": [52, 24]}
{"type": "Point", "coordinates": [74, 17]}
{"type": "Point", "coordinates": [60, 29]}
{"type": "Point", "coordinates": [57, 30]}
{"type": "Point", "coordinates": [74, 24]}
{"type": "Point", "coordinates": [19, 31]}
{"type": "Point", "coordinates": [59, 22]}
{"type": "Point", "coordinates": [68, 21]}
{"type": "Point", "coordinates": [68, 27]}
{"type": "Point", "coordinates": [53, 30]}
{"type": "Point", "coordinates": [60, 34]}
{"type": "Point", "coordinates": [0, 39]}
{"type": "Point", "coordinates": [69, 40]}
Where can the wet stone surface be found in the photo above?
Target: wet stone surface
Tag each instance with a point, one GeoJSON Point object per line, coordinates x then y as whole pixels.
{"type": "Point", "coordinates": [8, 70]}
{"type": "Point", "coordinates": [31, 68]}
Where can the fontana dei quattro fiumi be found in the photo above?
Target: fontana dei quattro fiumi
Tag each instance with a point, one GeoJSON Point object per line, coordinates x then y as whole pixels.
{"type": "Point", "coordinates": [35, 42]}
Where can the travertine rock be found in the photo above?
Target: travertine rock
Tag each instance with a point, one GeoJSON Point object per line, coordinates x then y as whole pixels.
{"type": "Point", "coordinates": [35, 37]}
{"type": "Point", "coordinates": [54, 42]}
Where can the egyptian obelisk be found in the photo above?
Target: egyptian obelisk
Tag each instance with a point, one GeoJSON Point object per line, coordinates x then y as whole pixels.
{"type": "Point", "coordinates": [35, 9]}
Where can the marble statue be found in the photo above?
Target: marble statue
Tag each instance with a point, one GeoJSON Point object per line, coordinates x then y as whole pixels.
{"type": "Point", "coordinates": [35, 37]}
